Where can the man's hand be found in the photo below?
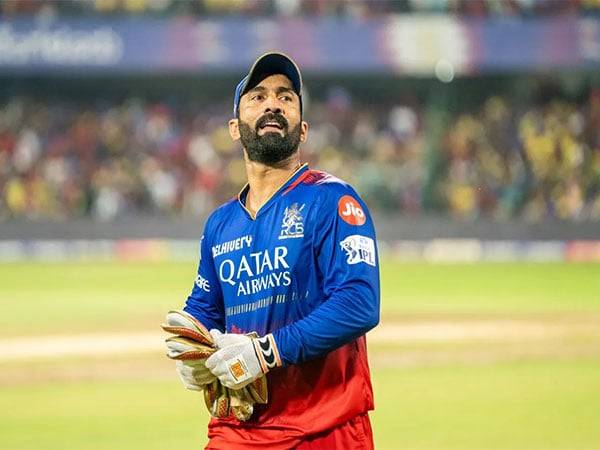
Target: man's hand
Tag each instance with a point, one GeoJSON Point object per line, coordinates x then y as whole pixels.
{"type": "Point", "coordinates": [242, 359]}
{"type": "Point", "coordinates": [191, 346]}
{"type": "Point", "coordinates": [190, 359]}
{"type": "Point", "coordinates": [194, 375]}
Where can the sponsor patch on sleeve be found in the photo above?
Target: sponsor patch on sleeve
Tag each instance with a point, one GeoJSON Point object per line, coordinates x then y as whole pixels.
{"type": "Point", "coordinates": [359, 249]}
{"type": "Point", "coordinates": [202, 283]}
{"type": "Point", "coordinates": [350, 211]}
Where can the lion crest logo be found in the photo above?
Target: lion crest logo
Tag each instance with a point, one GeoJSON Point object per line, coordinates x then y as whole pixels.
{"type": "Point", "coordinates": [291, 225]}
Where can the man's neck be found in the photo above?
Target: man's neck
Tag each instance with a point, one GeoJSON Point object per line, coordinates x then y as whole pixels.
{"type": "Point", "coordinates": [264, 180]}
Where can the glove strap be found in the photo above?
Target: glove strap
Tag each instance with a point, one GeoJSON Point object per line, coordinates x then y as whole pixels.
{"type": "Point", "coordinates": [267, 353]}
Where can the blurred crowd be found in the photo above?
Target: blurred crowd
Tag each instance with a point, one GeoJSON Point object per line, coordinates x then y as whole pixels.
{"type": "Point", "coordinates": [62, 159]}
{"type": "Point", "coordinates": [537, 162]}
{"type": "Point", "coordinates": [286, 8]}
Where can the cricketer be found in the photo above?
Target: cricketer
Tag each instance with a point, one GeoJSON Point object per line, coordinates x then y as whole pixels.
{"type": "Point", "coordinates": [287, 284]}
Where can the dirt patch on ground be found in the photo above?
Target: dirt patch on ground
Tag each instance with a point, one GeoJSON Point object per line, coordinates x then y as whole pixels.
{"type": "Point", "coordinates": [416, 340]}
{"type": "Point", "coordinates": [477, 354]}
{"type": "Point", "coordinates": [132, 367]}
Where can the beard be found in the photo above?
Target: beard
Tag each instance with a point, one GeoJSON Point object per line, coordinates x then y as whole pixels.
{"type": "Point", "coordinates": [271, 148]}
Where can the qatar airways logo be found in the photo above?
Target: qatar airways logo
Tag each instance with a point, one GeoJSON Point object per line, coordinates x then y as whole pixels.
{"type": "Point", "coordinates": [266, 269]}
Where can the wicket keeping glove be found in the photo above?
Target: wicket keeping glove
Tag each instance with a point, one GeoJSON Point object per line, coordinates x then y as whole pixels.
{"type": "Point", "coordinates": [190, 347]}
{"type": "Point", "coordinates": [241, 359]}
{"type": "Point", "coordinates": [193, 372]}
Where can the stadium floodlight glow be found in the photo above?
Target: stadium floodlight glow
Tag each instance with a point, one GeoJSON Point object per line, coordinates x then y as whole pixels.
{"type": "Point", "coordinates": [444, 71]}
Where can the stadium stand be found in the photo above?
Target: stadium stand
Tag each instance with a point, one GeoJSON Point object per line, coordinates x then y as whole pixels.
{"type": "Point", "coordinates": [283, 8]}
{"type": "Point", "coordinates": [65, 158]}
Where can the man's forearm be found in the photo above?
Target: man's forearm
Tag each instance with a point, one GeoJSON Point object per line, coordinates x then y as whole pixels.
{"type": "Point", "coordinates": [346, 315]}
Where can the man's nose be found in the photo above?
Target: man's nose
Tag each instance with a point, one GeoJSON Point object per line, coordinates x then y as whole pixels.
{"type": "Point", "coordinates": [273, 105]}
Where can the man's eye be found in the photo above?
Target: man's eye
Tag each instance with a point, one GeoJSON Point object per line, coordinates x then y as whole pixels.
{"type": "Point", "coordinates": [287, 98]}
{"type": "Point", "coordinates": [257, 97]}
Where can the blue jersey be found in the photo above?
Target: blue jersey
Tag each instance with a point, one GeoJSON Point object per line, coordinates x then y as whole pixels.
{"type": "Point", "coordinates": [304, 269]}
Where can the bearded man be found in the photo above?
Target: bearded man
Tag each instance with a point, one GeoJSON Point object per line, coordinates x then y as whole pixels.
{"type": "Point", "coordinates": [288, 284]}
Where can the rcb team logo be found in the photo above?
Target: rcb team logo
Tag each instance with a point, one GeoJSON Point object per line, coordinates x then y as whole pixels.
{"type": "Point", "coordinates": [291, 226]}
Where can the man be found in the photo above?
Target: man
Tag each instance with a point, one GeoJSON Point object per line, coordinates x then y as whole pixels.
{"type": "Point", "coordinates": [292, 258]}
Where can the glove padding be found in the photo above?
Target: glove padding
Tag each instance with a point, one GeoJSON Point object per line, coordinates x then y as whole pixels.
{"type": "Point", "coordinates": [190, 347]}
{"type": "Point", "coordinates": [242, 359]}
{"type": "Point", "coordinates": [184, 324]}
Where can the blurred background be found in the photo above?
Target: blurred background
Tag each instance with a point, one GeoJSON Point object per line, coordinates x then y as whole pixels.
{"type": "Point", "coordinates": [470, 127]}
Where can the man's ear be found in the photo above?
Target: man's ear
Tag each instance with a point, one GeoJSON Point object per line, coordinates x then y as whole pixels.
{"type": "Point", "coordinates": [303, 131]}
{"type": "Point", "coordinates": [234, 129]}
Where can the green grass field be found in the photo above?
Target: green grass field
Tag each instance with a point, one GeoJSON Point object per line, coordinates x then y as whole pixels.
{"type": "Point", "coordinates": [542, 393]}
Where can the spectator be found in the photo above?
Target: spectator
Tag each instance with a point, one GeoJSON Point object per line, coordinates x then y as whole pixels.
{"type": "Point", "coordinates": [61, 160]}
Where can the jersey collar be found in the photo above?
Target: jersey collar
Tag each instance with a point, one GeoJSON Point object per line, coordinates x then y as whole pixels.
{"type": "Point", "coordinates": [289, 184]}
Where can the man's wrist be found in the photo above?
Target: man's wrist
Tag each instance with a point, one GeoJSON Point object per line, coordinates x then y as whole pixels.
{"type": "Point", "coordinates": [267, 352]}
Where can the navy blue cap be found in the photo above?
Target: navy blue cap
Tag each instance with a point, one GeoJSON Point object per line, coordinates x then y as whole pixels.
{"type": "Point", "coordinates": [269, 64]}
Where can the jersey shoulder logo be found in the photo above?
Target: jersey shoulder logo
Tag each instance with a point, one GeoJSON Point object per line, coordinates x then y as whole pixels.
{"type": "Point", "coordinates": [291, 225]}
{"type": "Point", "coordinates": [350, 211]}
{"type": "Point", "coordinates": [359, 249]}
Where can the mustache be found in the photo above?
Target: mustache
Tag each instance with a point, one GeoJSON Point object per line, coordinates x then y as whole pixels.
{"type": "Point", "coordinates": [272, 117]}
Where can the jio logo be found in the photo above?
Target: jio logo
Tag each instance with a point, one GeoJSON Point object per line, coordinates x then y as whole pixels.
{"type": "Point", "coordinates": [350, 211]}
